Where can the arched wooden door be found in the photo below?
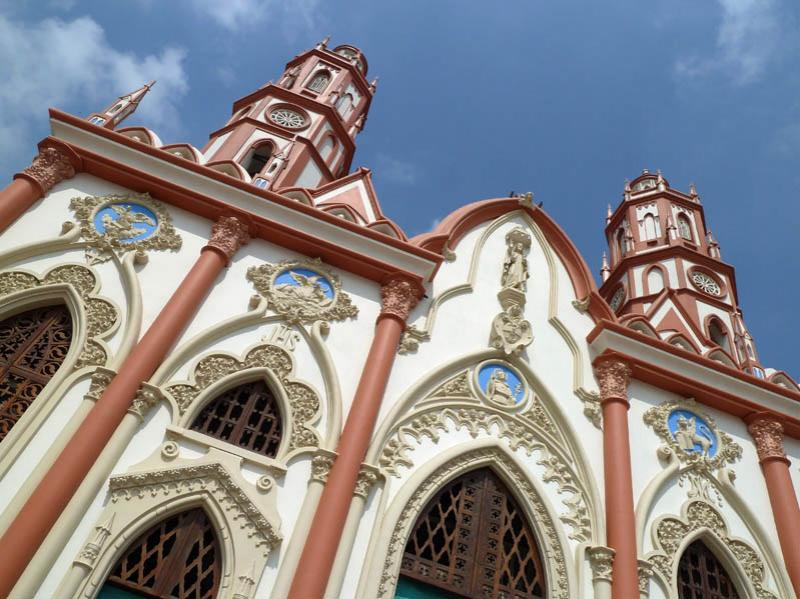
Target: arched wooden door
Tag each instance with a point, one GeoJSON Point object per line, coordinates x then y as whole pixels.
{"type": "Point", "coordinates": [177, 558]}
{"type": "Point", "coordinates": [472, 540]}
{"type": "Point", "coordinates": [702, 576]}
{"type": "Point", "coordinates": [33, 346]}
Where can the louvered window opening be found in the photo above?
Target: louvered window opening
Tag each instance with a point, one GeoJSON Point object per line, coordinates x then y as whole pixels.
{"type": "Point", "coordinates": [702, 576]}
{"type": "Point", "coordinates": [473, 540]}
{"type": "Point", "coordinates": [247, 416]}
{"type": "Point", "coordinates": [33, 346]}
{"type": "Point", "coordinates": [179, 558]}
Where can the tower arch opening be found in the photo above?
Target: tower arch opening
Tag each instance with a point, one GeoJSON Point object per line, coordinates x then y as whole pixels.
{"type": "Point", "coordinates": [257, 158]}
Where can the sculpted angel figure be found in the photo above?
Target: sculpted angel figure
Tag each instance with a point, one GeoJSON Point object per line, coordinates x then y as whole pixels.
{"type": "Point", "coordinates": [687, 437]}
{"type": "Point", "coordinates": [497, 389]}
{"type": "Point", "coordinates": [127, 224]}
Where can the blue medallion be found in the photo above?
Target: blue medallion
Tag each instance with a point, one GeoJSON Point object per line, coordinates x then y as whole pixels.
{"type": "Point", "coordinates": [125, 222]}
{"type": "Point", "coordinates": [692, 433]}
{"type": "Point", "coordinates": [501, 384]}
{"type": "Point", "coordinates": [304, 278]}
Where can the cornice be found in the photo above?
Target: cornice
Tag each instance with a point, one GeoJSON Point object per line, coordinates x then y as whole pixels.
{"type": "Point", "coordinates": [211, 194]}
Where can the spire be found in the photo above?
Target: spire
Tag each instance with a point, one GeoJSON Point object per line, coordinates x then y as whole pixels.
{"type": "Point", "coordinates": [693, 192]}
{"type": "Point", "coordinates": [373, 85]}
{"type": "Point", "coordinates": [608, 215]}
{"type": "Point", "coordinates": [605, 270]}
{"type": "Point", "coordinates": [121, 109]}
{"type": "Point", "coordinates": [713, 246]}
{"type": "Point", "coordinates": [323, 43]}
{"type": "Point", "coordinates": [660, 183]}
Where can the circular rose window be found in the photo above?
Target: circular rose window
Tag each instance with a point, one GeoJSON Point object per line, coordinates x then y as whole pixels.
{"type": "Point", "coordinates": [286, 117]}
{"type": "Point", "coordinates": [706, 283]}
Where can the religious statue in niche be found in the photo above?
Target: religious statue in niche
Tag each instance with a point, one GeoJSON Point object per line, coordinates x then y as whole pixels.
{"type": "Point", "coordinates": [500, 384]}
{"type": "Point", "coordinates": [510, 331]}
{"type": "Point", "coordinates": [515, 266]}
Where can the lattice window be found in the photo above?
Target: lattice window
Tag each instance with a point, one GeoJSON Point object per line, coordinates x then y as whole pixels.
{"type": "Point", "coordinates": [33, 346]}
{"type": "Point", "coordinates": [178, 558]}
{"type": "Point", "coordinates": [247, 416]}
{"type": "Point", "coordinates": [473, 539]}
{"type": "Point", "coordinates": [702, 576]}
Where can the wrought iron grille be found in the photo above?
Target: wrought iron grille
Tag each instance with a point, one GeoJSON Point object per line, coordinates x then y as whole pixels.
{"type": "Point", "coordinates": [702, 576]}
{"type": "Point", "coordinates": [33, 345]}
{"type": "Point", "coordinates": [247, 416]}
{"type": "Point", "coordinates": [178, 558]}
{"type": "Point", "coordinates": [473, 539]}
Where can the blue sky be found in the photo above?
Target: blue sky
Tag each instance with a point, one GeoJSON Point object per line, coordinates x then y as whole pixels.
{"type": "Point", "coordinates": [565, 99]}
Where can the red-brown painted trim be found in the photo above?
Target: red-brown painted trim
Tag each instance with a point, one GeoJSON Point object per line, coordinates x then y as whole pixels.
{"type": "Point", "coordinates": [458, 223]}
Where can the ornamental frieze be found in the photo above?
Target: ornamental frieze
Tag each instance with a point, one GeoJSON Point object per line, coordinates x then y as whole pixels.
{"type": "Point", "coordinates": [302, 291]}
{"type": "Point", "coordinates": [120, 223]}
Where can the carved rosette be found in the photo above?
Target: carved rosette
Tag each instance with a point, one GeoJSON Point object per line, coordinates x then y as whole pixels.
{"type": "Point", "coordinates": [398, 297]}
{"type": "Point", "coordinates": [601, 561]}
{"type": "Point", "coordinates": [51, 166]}
{"type": "Point", "coordinates": [767, 432]}
{"type": "Point", "coordinates": [613, 376]}
{"type": "Point", "coordinates": [228, 235]}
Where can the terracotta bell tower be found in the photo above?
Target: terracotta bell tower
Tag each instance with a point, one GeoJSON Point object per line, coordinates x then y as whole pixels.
{"type": "Point", "coordinates": [666, 275]}
{"type": "Point", "coordinates": [300, 131]}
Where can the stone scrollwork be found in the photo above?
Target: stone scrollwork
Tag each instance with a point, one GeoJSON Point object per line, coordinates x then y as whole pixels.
{"type": "Point", "coordinates": [553, 554]}
{"type": "Point", "coordinates": [146, 397]}
{"type": "Point", "coordinates": [101, 314]}
{"type": "Point", "coordinates": [412, 337]}
{"type": "Point", "coordinates": [601, 561]}
{"type": "Point", "coordinates": [398, 297]}
{"type": "Point", "coordinates": [321, 465]}
{"type": "Point", "coordinates": [303, 401]}
{"type": "Point", "coordinates": [670, 532]}
{"type": "Point", "coordinates": [511, 333]}
{"type": "Point", "coordinates": [591, 405]}
{"type": "Point", "coordinates": [767, 432]}
{"type": "Point", "coordinates": [228, 235]}
{"type": "Point", "coordinates": [645, 571]}
{"type": "Point", "coordinates": [302, 291]}
{"type": "Point", "coordinates": [49, 167]}
{"type": "Point", "coordinates": [121, 223]}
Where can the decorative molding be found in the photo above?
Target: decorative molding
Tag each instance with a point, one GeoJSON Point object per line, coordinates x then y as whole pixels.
{"type": "Point", "coordinates": [50, 167]}
{"type": "Point", "coordinates": [591, 405]}
{"type": "Point", "coordinates": [412, 337]}
{"type": "Point", "coordinates": [398, 298]}
{"type": "Point", "coordinates": [92, 549]}
{"type": "Point", "coordinates": [228, 234]}
{"type": "Point", "coordinates": [767, 432]}
{"type": "Point", "coordinates": [123, 232]}
{"type": "Point", "coordinates": [306, 302]}
{"type": "Point", "coordinates": [321, 465]}
{"type": "Point", "coordinates": [601, 561]}
{"type": "Point", "coordinates": [303, 402]}
{"type": "Point", "coordinates": [101, 378]}
{"type": "Point", "coordinates": [613, 376]}
{"type": "Point", "coordinates": [212, 478]}
{"type": "Point", "coordinates": [101, 315]}
{"type": "Point", "coordinates": [367, 477]}
{"type": "Point", "coordinates": [553, 556]}
{"type": "Point", "coordinates": [146, 397]}
{"type": "Point", "coordinates": [670, 534]}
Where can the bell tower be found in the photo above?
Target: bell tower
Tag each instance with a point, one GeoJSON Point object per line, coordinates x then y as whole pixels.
{"type": "Point", "coordinates": [300, 131]}
{"type": "Point", "coordinates": [666, 276]}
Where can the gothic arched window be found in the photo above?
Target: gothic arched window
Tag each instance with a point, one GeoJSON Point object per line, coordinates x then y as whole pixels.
{"type": "Point", "coordinates": [33, 346]}
{"type": "Point", "coordinates": [177, 558]}
{"type": "Point", "coordinates": [319, 81]}
{"type": "Point", "coordinates": [621, 243]}
{"type": "Point", "coordinates": [472, 539]}
{"type": "Point", "coordinates": [718, 333]}
{"type": "Point", "coordinates": [685, 227]}
{"type": "Point", "coordinates": [702, 576]}
{"type": "Point", "coordinates": [257, 158]}
{"type": "Point", "coordinates": [345, 106]}
{"type": "Point", "coordinates": [247, 416]}
{"type": "Point", "coordinates": [649, 226]}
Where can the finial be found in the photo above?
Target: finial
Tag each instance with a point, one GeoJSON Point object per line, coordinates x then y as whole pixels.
{"type": "Point", "coordinates": [373, 85]}
{"type": "Point", "coordinates": [605, 270]}
{"type": "Point", "coordinates": [627, 185]}
{"type": "Point", "coordinates": [324, 43]}
{"type": "Point", "coordinates": [713, 246]}
{"type": "Point", "coordinates": [645, 171]}
{"type": "Point", "coordinates": [121, 109]}
{"type": "Point", "coordinates": [692, 191]}
{"type": "Point", "coordinates": [660, 176]}
{"type": "Point", "coordinates": [608, 214]}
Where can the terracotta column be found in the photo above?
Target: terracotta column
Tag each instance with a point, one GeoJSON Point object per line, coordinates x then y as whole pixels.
{"type": "Point", "coordinates": [34, 521]}
{"type": "Point", "coordinates": [51, 166]}
{"type": "Point", "coordinates": [767, 432]}
{"type": "Point", "coordinates": [314, 568]}
{"type": "Point", "coordinates": [613, 376]}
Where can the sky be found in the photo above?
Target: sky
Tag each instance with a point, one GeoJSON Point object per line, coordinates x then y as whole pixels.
{"type": "Point", "coordinates": [565, 99]}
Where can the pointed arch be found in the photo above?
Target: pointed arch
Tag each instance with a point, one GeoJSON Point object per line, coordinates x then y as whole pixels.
{"type": "Point", "coordinates": [685, 227]}
{"type": "Point", "coordinates": [257, 157]}
{"type": "Point", "coordinates": [701, 575]}
{"type": "Point", "coordinates": [682, 341]}
{"type": "Point", "coordinates": [319, 81]}
{"type": "Point", "coordinates": [717, 332]}
{"type": "Point", "coordinates": [649, 224]}
{"type": "Point", "coordinates": [654, 279]}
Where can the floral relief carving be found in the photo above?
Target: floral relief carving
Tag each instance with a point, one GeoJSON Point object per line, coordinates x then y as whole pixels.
{"type": "Point", "coordinates": [101, 314]}
{"type": "Point", "coordinates": [313, 293]}
{"type": "Point", "coordinates": [601, 561]}
{"type": "Point", "coordinates": [321, 465]}
{"type": "Point", "coordinates": [49, 167]}
{"type": "Point", "coordinates": [645, 571]}
{"type": "Point", "coordinates": [228, 234]}
{"type": "Point", "coordinates": [669, 533]}
{"type": "Point", "coordinates": [121, 223]}
{"type": "Point", "coordinates": [767, 432]}
{"type": "Point", "coordinates": [613, 377]}
{"type": "Point", "coordinates": [367, 477]}
{"type": "Point", "coordinates": [554, 559]}
{"type": "Point", "coordinates": [398, 298]}
{"type": "Point", "coordinates": [304, 403]}
{"type": "Point", "coordinates": [146, 397]}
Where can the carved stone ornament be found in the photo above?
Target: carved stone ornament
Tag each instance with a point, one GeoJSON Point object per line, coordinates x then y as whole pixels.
{"type": "Point", "coordinates": [412, 337]}
{"type": "Point", "coordinates": [303, 401]}
{"type": "Point", "coordinates": [510, 332]}
{"type": "Point", "coordinates": [121, 223]}
{"type": "Point", "coordinates": [692, 435]}
{"type": "Point", "coordinates": [669, 533]}
{"type": "Point", "coordinates": [456, 405]}
{"type": "Point", "coordinates": [101, 314]}
{"type": "Point", "coordinates": [515, 265]}
{"type": "Point", "coordinates": [612, 377]}
{"type": "Point", "coordinates": [101, 378]}
{"type": "Point", "coordinates": [601, 561]}
{"type": "Point", "coordinates": [51, 166]}
{"type": "Point", "coordinates": [92, 549]}
{"type": "Point", "coordinates": [211, 478]}
{"type": "Point", "coordinates": [767, 432]}
{"type": "Point", "coordinates": [398, 298]}
{"type": "Point", "coordinates": [367, 477]}
{"type": "Point", "coordinates": [146, 397]}
{"type": "Point", "coordinates": [302, 291]}
{"type": "Point", "coordinates": [228, 234]}
{"type": "Point", "coordinates": [591, 405]}
{"type": "Point", "coordinates": [553, 558]}
{"type": "Point", "coordinates": [645, 571]}
{"type": "Point", "coordinates": [321, 465]}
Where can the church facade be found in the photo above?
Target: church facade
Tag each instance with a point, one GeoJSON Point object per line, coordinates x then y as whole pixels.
{"type": "Point", "coordinates": [226, 373]}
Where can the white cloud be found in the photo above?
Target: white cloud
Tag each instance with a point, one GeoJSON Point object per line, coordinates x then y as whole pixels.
{"type": "Point", "coordinates": [749, 35]}
{"type": "Point", "coordinates": [241, 14]}
{"type": "Point", "coordinates": [71, 65]}
{"type": "Point", "coordinates": [396, 171]}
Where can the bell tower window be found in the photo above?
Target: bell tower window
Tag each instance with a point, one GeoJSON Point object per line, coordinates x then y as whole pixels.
{"type": "Point", "coordinates": [718, 334]}
{"type": "Point", "coordinates": [345, 106]}
{"type": "Point", "coordinates": [257, 159]}
{"type": "Point", "coordinates": [649, 226]}
{"type": "Point", "coordinates": [621, 243]}
{"type": "Point", "coordinates": [319, 81]}
{"type": "Point", "coordinates": [685, 227]}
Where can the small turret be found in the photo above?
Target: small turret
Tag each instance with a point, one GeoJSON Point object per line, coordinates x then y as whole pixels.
{"type": "Point", "coordinates": [121, 109]}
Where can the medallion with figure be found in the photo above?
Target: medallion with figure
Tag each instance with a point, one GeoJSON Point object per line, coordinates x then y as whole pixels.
{"type": "Point", "coordinates": [500, 384]}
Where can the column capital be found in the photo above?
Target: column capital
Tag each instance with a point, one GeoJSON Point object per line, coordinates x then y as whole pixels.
{"type": "Point", "coordinates": [228, 234]}
{"type": "Point", "coordinates": [613, 376]}
{"type": "Point", "coordinates": [399, 295]}
{"type": "Point", "coordinates": [767, 432]}
{"type": "Point", "coordinates": [50, 166]}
